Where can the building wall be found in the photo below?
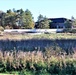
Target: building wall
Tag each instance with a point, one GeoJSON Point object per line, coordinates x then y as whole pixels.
{"type": "Point", "coordinates": [57, 25]}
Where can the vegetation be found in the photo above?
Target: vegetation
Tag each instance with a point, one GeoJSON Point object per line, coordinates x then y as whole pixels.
{"type": "Point", "coordinates": [23, 19]}
{"type": "Point", "coordinates": [38, 62]}
{"type": "Point", "coordinates": [24, 36]}
{"type": "Point", "coordinates": [70, 27]}
{"type": "Point", "coordinates": [20, 19]}
{"type": "Point", "coordinates": [55, 59]}
{"type": "Point", "coordinates": [69, 30]}
{"type": "Point", "coordinates": [68, 24]}
{"type": "Point", "coordinates": [16, 19]}
{"type": "Point", "coordinates": [43, 22]}
{"type": "Point", "coordinates": [74, 22]}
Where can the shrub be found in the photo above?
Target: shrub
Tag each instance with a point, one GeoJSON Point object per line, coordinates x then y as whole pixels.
{"type": "Point", "coordinates": [73, 31]}
{"type": "Point", "coordinates": [8, 27]}
{"type": "Point", "coordinates": [69, 30]}
{"type": "Point", "coordinates": [1, 28]}
{"type": "Point", "coordinates": [69, 68]}
{"type": "Point", "coordinates": [52, 50]}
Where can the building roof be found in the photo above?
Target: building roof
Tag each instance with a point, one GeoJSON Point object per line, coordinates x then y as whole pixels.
{"type": "Point", "coordinates": [58, 20]}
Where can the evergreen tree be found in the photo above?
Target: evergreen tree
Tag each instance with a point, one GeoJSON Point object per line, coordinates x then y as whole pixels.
{"type": "Point", "coordinates": [40, 18]}
{"type": "Point", "coordinates": [73, 22]}
{"type": "Point", "coordinates": [3, 19]}
{"type": "Point", "coordinates": [68, 24]}
{"type": "Point", "coordinates": [43, 22]}
{"type": "Point", "coordinates": [27, 19]}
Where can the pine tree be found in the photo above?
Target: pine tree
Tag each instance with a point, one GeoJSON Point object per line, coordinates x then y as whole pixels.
{"type": "Point", "coordinates": [43, 22]}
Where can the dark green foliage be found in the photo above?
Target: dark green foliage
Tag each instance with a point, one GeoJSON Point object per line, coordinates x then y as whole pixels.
{"type": "Point", "coordinates": [69, 30]}
{"type": "Point", "coordinates": [27, 20]}
{"type": "Point", "coordinates": [73, 31]}
{"type": "Point", "coordinates": [68, 24]}
{"type": "Point", "coordinates": [73, 22]}
{"type": "Point", "coordinates": [43, 22]}
{"type": "Point", "coordinates": [17, 19]}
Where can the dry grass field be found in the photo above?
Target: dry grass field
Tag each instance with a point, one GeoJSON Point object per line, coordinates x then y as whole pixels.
{"type": "Point", "coordinates": [24, 40]}
{"type": "Point", "coordinates": [15, 36]}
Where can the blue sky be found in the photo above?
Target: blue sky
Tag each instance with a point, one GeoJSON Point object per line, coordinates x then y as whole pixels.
{"type": "Point", "coordinates": [48, 8]}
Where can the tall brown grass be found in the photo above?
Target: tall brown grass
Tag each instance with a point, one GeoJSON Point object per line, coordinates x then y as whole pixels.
{"type": "Point", "coordinates": [19, 59]}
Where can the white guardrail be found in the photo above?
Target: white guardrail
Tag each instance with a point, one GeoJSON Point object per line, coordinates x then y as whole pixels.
{"type": "Point", "coordinates": [34, 30]}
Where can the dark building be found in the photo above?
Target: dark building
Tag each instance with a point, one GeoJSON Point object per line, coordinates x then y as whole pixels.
{"type": "Point", "coordinates": [56, 22]}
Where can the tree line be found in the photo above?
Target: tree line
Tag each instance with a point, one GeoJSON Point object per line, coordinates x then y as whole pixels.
{"type": "Point", "coordinates": [16, 19]}
{"type": "Point", "coordinates": [20, 19]}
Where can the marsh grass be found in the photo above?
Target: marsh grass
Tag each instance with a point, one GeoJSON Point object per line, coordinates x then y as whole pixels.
{"type": "Point", "coordinates": [34, 62]}
{"type": "Point", "coordinates": [31, 44]}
